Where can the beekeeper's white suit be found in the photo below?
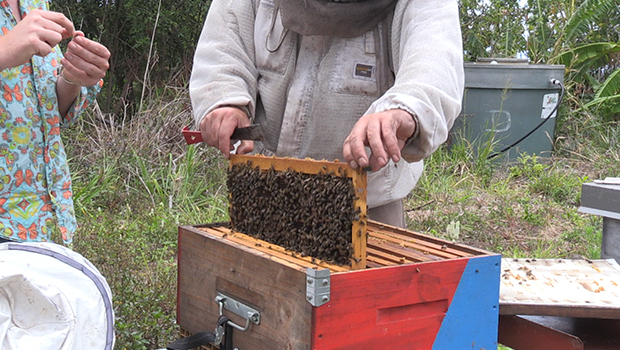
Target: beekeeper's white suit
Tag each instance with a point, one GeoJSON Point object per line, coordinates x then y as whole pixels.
{"type": "Point", "coordinates": [308, 91]}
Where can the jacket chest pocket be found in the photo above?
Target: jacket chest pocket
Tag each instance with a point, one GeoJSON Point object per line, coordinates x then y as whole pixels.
{"type": "Point", "coordinates": [272, 42]}
{"type": "Point", "coordinates": [354, 66]}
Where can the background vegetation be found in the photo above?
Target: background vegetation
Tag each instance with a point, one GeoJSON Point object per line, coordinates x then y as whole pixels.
{"type": "Point", "coordinates": [135, 181]}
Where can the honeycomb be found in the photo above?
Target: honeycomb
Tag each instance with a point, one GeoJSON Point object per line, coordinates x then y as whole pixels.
{"type": "Point", "coordinates": [308, 214]}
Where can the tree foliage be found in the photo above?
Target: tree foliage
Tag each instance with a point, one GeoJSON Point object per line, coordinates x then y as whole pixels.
{"type": "Point", "coordinates": [128, 29]}
{"type": "Point", "coordinates": [152, 41]}
{"type": "Point", "coordinates": [492, 28]}
{"type": "Point", "coordinates": [583, 35]}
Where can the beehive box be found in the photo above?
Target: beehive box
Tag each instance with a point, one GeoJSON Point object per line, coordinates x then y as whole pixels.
{"type": "Point", "coordinates": [400, 289]}
{"type": "Point", "coordinates": [417, 292]}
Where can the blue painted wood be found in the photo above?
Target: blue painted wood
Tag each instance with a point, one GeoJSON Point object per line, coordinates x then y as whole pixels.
{"type": "Point", "coordinates": [473, 317]}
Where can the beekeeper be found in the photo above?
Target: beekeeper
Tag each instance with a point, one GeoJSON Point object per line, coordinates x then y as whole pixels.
{"type": "Point", "coordinates": [374, 83]}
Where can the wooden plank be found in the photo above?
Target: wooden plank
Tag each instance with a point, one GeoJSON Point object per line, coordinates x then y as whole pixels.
{"type": "Point", "coordinates": [283, 258]}
{"type": "Point", "coordinates": [399, 306]}
{"type": "Point", "coordinates": [371, 264]}
{"type": "Point", "coordinates": [447, 249]}
{"type": "Point", "coordinates": [358, 230]}
{"type": "Point", "coordinates": [426, 250]}
{"type": "Point", "coordinates": [386, 259]}
{"type": "Point", "coordinates": [426, 240]}
{"type": "Point", "coordinates": [208, 265]}
{"type": "Point", "coordinates": [522, 334]}
{"type": "Point", "coordinates": [377, 261]}
{"type": "Point", "coordinates": [272, 249]}
{"type": "Point", "coordinates": [384, 248]}
{"type": "Point", "coordinates": [306, 166]}
{"type": "Point", "coordinates": [310, 166]}
{"type": "Point", "coordinates": [402, 305]}
{"type": "Point", "coordinates": [400, 255]}
{"type": "Point", "coordinates": [560, 287]}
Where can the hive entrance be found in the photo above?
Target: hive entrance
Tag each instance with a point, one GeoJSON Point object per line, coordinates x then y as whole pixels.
{"type": "Point", "coordinates": [312, 208]}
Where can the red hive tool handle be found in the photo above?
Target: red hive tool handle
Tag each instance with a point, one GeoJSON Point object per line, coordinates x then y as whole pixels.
{"type": "Point", "coordinates": [191, 137]}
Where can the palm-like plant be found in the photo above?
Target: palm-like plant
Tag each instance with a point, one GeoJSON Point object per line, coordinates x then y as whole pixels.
{"type": "Point", "coordinates": [584, 37]}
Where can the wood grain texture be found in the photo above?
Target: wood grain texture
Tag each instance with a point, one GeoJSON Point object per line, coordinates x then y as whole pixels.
{"type": "Point", "coordinates": [560, 287]}
{"type": "Point", "coordinates": [277, 253]}
{"type": "Point", "coordinates": [208, 265]}
{"type": "Point", "coordinates": [400, 300]}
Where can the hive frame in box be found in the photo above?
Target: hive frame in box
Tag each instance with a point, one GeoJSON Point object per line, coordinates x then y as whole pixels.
{"type": "Point", "coordinates": [417, 292]}
{"type": "Point", "coordinates": [312, 167]}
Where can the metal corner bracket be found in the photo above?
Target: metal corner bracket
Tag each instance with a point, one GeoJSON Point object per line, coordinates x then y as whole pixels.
{"type": "Point", "coordinates": [318, 284]}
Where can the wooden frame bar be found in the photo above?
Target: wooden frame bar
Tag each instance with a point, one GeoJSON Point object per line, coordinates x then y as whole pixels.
{"type": "Point", "coordinates": [385, 247]}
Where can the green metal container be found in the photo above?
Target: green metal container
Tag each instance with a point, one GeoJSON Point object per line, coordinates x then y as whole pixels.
{"type": "Point", "coordinates": [503, 101]}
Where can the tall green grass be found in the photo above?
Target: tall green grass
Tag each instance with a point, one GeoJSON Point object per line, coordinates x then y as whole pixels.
{"type": "Point", "coordinates": [517, 209]}
{"type": "Point", "coordinates": [135, 183]}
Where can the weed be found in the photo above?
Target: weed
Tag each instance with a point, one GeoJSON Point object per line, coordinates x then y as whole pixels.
{"type": "Point", "coordinates": [528, 166]}
{"type": "Point", "coordinates": [135, 183]}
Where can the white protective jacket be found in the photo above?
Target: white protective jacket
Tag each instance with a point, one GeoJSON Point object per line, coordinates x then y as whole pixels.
{"type": "Point", "coordinates": [308, 91]}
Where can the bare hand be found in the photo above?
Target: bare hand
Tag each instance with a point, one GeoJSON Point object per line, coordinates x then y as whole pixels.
{"type": "Point", "coordinates": [385, 133]}
{"type": "Point", "coordinates": [36, 34]}
{"type": "Point", "coordinates": [85, 62]}
{"type": "Point", "coordinates": [217, 127]}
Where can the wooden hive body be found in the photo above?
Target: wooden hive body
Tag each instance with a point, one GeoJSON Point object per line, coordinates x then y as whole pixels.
{"type": "Point", "coordinates": [416, 292]}
{"type": "Point", "coordinates": [402, 290]}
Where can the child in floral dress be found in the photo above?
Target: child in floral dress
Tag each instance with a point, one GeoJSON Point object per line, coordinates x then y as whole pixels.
{"type": "Point", "coordinates": [41, 92]}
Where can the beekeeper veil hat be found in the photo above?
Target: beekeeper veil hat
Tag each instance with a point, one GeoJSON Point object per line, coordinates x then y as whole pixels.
{"type": "Point", "coordinates": [52, 298]}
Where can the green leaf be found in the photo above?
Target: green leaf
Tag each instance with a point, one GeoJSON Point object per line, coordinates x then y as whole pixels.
{"type": "Point", "coordinates": [586, 53]}
{"type": "Point", "coordinates": [601, 100]}
{"type": "Point", "coordinates": [590, 11]}
{"type": "Point", "coordinates": [610, 87]}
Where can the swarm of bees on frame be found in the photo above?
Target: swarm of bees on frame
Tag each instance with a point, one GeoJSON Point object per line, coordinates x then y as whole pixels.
{"type": "Point", "coordinates": [308, 214]}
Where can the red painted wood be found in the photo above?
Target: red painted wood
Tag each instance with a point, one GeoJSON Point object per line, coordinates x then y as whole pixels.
{"type": "Point", "coordinates": [399, 307]}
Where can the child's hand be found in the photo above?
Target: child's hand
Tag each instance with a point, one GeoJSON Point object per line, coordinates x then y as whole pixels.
{"type": "Point", "coordinates": [85, 62]}
{"type": "Point", "coordinates": [36, 34]}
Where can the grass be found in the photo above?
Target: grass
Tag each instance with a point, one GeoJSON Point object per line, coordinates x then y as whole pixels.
{"type": "Point", "coordinates": [136, 182]}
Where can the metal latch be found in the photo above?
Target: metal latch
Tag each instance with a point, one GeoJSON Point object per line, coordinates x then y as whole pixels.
{"type": "Point", "coordinates": [317, 286]}
{"type": "Point", "coordinates": [239, 309]}
{"type": "Point", "coordinates": [219, 335]}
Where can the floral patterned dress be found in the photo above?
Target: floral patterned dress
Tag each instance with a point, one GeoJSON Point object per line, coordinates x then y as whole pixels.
{"type": "Point", "coordinates": [35, 184]}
